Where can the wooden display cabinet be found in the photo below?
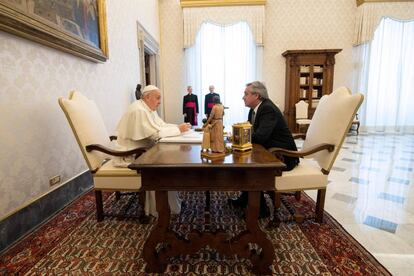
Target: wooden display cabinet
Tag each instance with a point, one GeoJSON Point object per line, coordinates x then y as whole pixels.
{"type": "Point", "coordinates": [309, 76]}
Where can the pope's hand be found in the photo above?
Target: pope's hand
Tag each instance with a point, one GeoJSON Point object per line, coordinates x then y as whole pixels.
{"type": "Point", "coordinates": [184, 127]}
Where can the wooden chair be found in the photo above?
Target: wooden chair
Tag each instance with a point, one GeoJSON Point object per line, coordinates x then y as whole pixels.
{"type": "Point", "coordinates": [90, 132]}
{"type": "Point", "coordinates": [301, 111]}
{"type": "Point", "coordinates": [323, 140]}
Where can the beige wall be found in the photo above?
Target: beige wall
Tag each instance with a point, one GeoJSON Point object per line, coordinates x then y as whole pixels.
{"type": "Point", "coordinates": [290, 25]}
{"type": "Point", "coordinates": [307, 24]}
{"type": "Point", "coordinates": [36, 141]}
{"type": "Point", "coordinates": [172, 59]}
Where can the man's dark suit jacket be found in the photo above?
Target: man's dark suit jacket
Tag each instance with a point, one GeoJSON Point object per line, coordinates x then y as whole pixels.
{"type": "Point", "coordinates": [270, 130]}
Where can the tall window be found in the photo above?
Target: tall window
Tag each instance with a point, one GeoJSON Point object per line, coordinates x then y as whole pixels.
{"type": "Point", "coordinates": [386, 77]}
{"type": "Point", "coordinates": [223, 56]}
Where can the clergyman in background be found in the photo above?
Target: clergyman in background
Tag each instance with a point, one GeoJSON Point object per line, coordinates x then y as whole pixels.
{"type": "Point", "coordinates": [208, 101]}
{"type": "Point", "coordinates": [190, 107]}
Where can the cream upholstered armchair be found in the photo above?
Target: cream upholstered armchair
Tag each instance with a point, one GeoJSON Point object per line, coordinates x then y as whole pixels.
{"type": "Point", "coordinates": [301, 112]}
{"type": "Point", "coordinates": [323, 140]}
{"type": "Point", "coordinates": [93, 139]}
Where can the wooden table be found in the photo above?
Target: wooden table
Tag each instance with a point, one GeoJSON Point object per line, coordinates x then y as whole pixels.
{"type": "Point", "coordinates": [179, 167]}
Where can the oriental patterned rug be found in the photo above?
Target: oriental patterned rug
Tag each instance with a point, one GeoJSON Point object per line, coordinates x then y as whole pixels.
{"type": "Point", "coordinates": [73, 243]}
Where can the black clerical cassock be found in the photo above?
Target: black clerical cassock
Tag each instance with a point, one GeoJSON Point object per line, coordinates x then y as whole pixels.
{"type": "Point", "coordinates": [190, 107]}
{"type": "Point", "coordinates": [208, 103]}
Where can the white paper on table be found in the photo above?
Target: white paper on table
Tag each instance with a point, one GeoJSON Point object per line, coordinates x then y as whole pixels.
{"type": "Point", "coordinates": [191, 136]}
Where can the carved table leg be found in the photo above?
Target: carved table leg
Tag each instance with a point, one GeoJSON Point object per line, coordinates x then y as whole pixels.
{"type": "Point", "coordinates": [174, 245]}
{"type": "Point", "coordinates": [158, 234]}
{"type": "Point", "coordinates": [261, 262]}
{"type": "Point", "coordinates": [207, 193]}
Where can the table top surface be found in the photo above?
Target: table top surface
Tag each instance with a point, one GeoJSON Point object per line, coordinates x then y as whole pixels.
{"type": "Point", "coordinates": [189, 155]}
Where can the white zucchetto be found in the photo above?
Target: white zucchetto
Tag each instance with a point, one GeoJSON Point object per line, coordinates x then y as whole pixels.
{"type": "Point", "coordinates": [149, 88]}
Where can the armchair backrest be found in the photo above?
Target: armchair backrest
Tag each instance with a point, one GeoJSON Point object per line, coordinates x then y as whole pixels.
{"type": "Point", "coordinates": [330, 123]}
{"type": "Point", "coordinates": [87, 125]}
{"type": "Point", "coordinates": [301, 108]}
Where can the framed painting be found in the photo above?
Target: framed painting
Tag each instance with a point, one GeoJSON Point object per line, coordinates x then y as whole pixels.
{"type": "Point", "coordinates": [74, 26]}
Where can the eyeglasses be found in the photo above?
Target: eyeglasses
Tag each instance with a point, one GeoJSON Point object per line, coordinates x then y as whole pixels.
{"type": "Point", "coordinates": [249, 94]}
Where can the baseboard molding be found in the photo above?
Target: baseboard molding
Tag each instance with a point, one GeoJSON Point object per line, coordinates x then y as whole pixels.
{"type": "Point", "coordinates": [24, 221]}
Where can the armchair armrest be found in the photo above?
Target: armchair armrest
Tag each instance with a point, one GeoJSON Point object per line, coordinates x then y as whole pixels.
{"type": "Point", "coordinates": [299, 135]}
{"type": "Point", "coordinates": [113, 137]}
{"type": "Point", "coordinates": [302, 153]}
{"type": "Point", "coordinates": [137, 151]}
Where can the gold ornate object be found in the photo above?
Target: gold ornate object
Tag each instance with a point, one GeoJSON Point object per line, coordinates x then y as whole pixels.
{"type": "Point", "coordinates": [242, 137]}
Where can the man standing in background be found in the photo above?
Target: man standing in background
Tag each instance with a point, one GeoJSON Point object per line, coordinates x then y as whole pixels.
{"type": "Point", "coordinates": [190, 107]}
{"type": "Point", "coordinates": [208, 101]}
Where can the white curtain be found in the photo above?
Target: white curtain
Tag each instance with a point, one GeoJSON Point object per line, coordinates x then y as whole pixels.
{"type": "Point", "coordinates": [193, 18]}
{"type": "Point", "coordinates": [223, 56]}
{"type": "Point", "coordinates": [369, 16]}
{"type": "Point", "coordinates": [384, 72]}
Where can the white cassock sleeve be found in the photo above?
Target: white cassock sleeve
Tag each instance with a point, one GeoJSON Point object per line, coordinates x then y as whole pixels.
{"type": "Point", "coordinates": [165, 130]}
{"type": "Point", "coordinates": [140, 123]}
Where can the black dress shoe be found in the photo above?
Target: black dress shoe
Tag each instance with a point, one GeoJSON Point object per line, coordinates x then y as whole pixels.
{"type": "Point", "coordinates": [237, 203]}
{"type": "Point", "coordinates": [264, 212]}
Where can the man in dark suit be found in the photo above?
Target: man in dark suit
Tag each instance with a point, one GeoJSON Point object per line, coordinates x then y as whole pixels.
{"type": "Point", "coordinates": [190, 107]}
{"type": "Point", "coordinates": [208, 101]}
{"type": "Point", "coordinates": [269, 130]}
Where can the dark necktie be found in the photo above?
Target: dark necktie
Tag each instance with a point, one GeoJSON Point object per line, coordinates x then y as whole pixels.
{"type": "Point", "coordinates": [253, 117]}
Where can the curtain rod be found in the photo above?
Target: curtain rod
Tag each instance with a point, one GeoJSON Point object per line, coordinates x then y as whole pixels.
{"type": "Point", "coordinates": [211, 3]}
{"type": "Point", "coordinates": [360, 2]}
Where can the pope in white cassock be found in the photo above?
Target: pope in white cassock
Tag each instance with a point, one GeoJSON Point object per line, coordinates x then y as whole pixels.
{"type": "Point", "coordinates": [141, 126]}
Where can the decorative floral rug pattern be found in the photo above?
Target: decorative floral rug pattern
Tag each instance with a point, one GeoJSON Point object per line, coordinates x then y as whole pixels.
{"type": "Point", "coordinates": [73, 243]}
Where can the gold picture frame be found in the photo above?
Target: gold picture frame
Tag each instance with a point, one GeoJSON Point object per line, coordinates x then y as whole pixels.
{"type": "Point", "coordinates": [74, 26]}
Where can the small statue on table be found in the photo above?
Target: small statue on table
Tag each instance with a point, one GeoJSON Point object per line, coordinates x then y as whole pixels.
{"type": "Point", "coordinates": [213, 139]}
{"type": "Point", "coordinates": [205, 145]}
